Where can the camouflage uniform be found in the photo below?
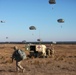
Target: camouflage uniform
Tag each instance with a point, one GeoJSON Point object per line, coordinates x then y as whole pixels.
{"type": "Point", "coordinates": [15, 56]}
{"type": "Point", "coordinates": [52, 51]}
{"type": "Point", "coordinates": [49, 52]}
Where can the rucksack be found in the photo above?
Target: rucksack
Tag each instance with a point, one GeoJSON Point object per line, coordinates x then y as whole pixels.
{"type": "Point", "coordinates": [22, 54]}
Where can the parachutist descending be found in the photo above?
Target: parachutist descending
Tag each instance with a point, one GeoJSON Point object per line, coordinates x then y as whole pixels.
{"type": "Point", "coordinates": [32, 28]}
{"type": "Point", "coordinates": [52, 2]}
{"type": "Point", "coordinates": [60, 21]}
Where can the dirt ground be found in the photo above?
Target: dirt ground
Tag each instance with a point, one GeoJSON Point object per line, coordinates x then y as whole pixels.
{"type": "Point", "coordinates": [63, 63]}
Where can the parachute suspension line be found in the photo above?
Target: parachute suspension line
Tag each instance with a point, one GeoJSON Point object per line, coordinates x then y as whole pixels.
{"type": "Point", "coordinates": [52, 7]}
{"type": "Point", "coordinates": [39, 38]}
{"type": "Point", "coordinates": [39, 34]}
{"type": "Point", "coordinates": [61, 26]}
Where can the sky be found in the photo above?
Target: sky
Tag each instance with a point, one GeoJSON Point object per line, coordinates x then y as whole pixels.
{"type": "Point", "coordinates": [19, 15]}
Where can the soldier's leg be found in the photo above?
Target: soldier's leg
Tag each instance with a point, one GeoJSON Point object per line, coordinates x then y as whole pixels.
{"type": "Point", "coordinates": [19, 65]}
{"type": "Point", "coordinates": [44, 55]}
{"type": "Point", "coordinates": [53, 53]}
{"type": "Point", "coordinates": [48, 52]}
{"type": "Point", "coordinates": [17, 68]}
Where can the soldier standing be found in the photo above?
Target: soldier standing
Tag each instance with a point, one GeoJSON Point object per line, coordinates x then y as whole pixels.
{"type": "Point", "coordinates": [52, 50]}
{"type": "Point", "coordinates": [48, 52]}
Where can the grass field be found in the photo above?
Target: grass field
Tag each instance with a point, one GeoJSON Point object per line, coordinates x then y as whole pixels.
{"type": "Point", "coordinates": [63, 63]}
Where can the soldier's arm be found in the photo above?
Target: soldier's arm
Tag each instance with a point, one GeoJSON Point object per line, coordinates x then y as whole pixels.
{"type": "Point", "coordinates": [13, 56]}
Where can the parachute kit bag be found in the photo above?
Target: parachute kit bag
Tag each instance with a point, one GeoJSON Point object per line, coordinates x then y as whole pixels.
{"type": "Point", "coordinates": [22, 54]}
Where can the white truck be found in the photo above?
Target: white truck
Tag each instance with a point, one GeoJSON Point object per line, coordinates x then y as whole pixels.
{"type": "Point", "coordinates": [36, 50]}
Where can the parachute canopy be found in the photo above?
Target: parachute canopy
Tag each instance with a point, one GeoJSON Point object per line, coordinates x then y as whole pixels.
{"type": "Point", "coordinates": [32, 28]}
{"type": "Point", "coordinates": [2, 21]}
{"type": "Point", "coordinates": [6, 37]}
{"type": "Point", "coordinates": [60, 20]}
{"type": "Point", "coordinates": [38, 39]}
{"type": "Point", "coordinates": [52, 2]}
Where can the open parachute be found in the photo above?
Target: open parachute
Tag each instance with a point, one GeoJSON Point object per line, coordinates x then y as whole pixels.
{"type": "Point", "coordinates": [52, 2]}
{"type": "Point", "coordinates": [39, 40]}
{"type": "Point", "coordinates": [60, 20]}
{"type": "Point", "coordinates": [32, 28]}
{"type": "Point", "coordinates": [2, 21]}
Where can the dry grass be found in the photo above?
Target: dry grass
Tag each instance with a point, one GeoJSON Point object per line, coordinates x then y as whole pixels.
{"type": "Point", "coordinates": [64, 62]}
